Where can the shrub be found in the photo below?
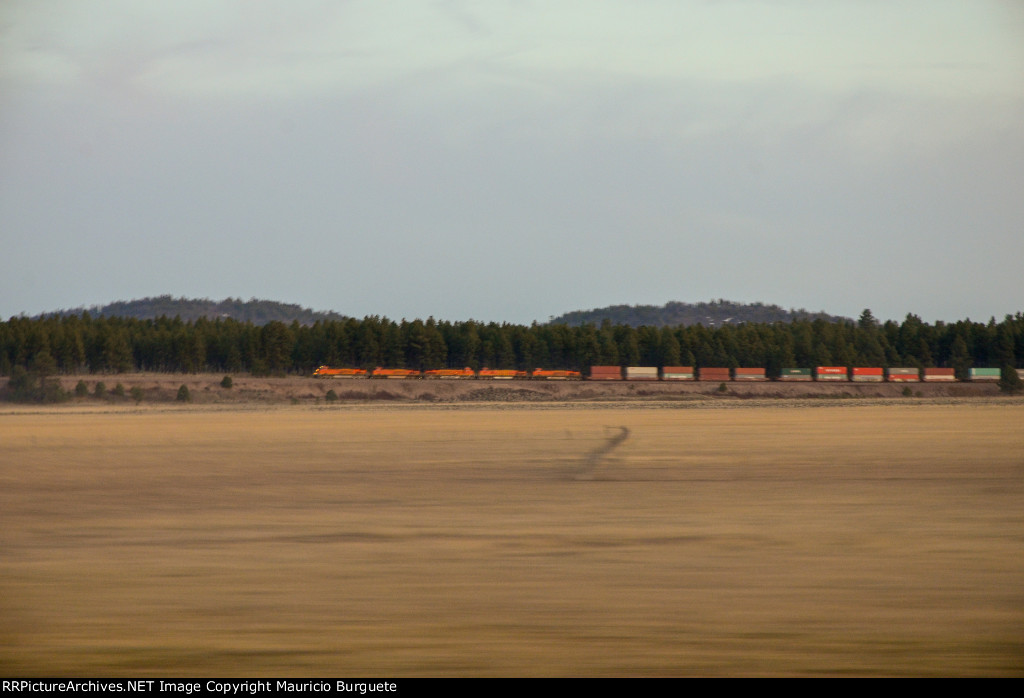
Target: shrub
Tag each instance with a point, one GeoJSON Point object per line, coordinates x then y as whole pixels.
{"type": "Point", "coordinates": [100, 390]}
{"type": "Point", "coordinates": [24, 386]}
{"type": "Point", "coordinates": [907, 392]}
{"type": "Point", "coordinates": [227, 382]}
{"type": "Point", "coordinates": [51, 391]}
{"type": "Point", "coordinates": [119, 390]}
{"type": "Point", "coordinates": [183, 394]}
{"type": "Point", "coordinates": [81, 389]}
{"type": "Point", "coordinates": [1009, 381]}
{"type": "Point", "coordinates": [136, 393]}
{"type": "Point", "coordinates": [723, 388]}
{"type": "Point", "coordinates": [19, 382]}
{"type": "Point", "coordinates": [331, 396]}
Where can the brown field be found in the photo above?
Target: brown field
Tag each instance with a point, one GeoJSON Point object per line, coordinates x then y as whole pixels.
{"type": "Point", "coordinates": [415, 540]}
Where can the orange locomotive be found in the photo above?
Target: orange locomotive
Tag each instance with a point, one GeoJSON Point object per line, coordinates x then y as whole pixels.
{"type": "Point", "coordinates": [328, 372]}
{"type": "Point", "coordinates": [501, 374]}
{"type": "Point", "coordinates": [394, 373]}
{"type": "Point", "coordinates": [455, 373]}
{"type": "Point", "coordinates": [541, 374]}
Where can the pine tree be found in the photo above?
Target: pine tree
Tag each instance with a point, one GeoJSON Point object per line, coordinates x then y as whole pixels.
{"type": "Point", "coordinates": [117, 352]}
{"type": "Point", "coordinates": [670, 350]}
{"type": "Point", "coordinates": [960, 359]}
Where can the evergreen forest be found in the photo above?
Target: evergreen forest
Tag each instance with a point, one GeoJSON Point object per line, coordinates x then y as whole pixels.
{"type": "Point", "coordinates": [81, 343]}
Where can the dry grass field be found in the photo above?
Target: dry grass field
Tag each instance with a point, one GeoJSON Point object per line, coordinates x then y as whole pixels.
{"type": "Point", "coordinates": [841, 539]}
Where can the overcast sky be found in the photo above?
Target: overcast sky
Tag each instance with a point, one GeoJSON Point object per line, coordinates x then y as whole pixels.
{"type": "Point", "coordinates": [513, 160]}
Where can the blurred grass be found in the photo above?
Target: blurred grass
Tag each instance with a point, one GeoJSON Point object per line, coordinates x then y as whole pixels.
{"type": "Point", "coordinates": [862, 540]}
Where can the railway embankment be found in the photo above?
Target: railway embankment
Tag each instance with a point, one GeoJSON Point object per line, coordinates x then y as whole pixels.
{"type": "Point", "coordinates": [245, 388]}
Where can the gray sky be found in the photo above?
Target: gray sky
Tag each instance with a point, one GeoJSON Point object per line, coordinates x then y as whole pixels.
{"type": "Point", "coordinates": [512, 160]}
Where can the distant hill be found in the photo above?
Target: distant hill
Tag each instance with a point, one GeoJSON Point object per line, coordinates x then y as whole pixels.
{"type": "Point", "coordinates": [674, 313]}
{"type": "Point", "coordinates": [258, 312]}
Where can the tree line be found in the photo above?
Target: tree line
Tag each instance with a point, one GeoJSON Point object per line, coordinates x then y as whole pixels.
{"type": "Point", "coordinates": [84, 344]}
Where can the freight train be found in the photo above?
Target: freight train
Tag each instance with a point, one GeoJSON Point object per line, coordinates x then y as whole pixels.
{"type": "Point", "coordinates": [448, 373]}
{"type": "Point", "coordinates": [723, 374]}
{"type": "Point", "coordinates": [854, 374]}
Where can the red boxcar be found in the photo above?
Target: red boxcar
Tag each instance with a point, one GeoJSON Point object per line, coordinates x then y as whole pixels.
{"type": "Point", "coordinates": [831, 373]}
{"type": "Point", "coordinates": [713, 373]}
{"type": "Point", "coordinates": [867, 375]}
{"type": "Point", "coordinates": [939, 374]}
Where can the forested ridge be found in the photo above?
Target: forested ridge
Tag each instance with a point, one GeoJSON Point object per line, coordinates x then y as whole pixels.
{"type": "Point", "coordinates": [84, 344]}
{"type": "Point", "coordinates": [256, 311]}
{"type": "Point", "coordinates": [675, 313]}
{"type": "Point", "coordinates": [260, 312]}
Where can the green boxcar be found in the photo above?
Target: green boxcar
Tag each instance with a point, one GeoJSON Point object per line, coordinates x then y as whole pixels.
{"type": "Point", "coordinates": [985, 374]}
{"type": "Point", "coordinates": [795, 374]}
